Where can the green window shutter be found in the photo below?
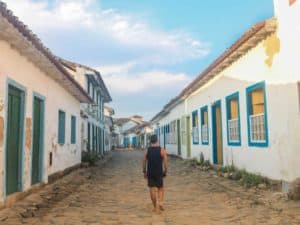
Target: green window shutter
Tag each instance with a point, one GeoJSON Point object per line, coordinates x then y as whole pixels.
{"type": "Point", "coordinates": [93, 93]}
{"type": "Point", "coordinates": [61, 126]}
{"type": "Point", "coordinates": [73, 129]}
{"type": "Point", "coordinates": [89, 137]}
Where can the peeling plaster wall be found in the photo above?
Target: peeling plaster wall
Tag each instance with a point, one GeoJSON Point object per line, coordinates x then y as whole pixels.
{"type": "Point", "coordinates": [16, 67]}
{"type": "Point", "coordinates": [275, 61]}
{"type": "Point", "coordinates": [272, 47]}
{"type": "Point", "coordinates": [279, 160]}
{"type": "Point", "coordinates": [175, 114]}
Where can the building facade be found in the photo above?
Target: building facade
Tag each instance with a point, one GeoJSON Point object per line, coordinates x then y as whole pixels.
{"type": "Point", "coordinates": [92, 126]}
{"type": "Point", "coordinates": [138, 136]}
{"type": "Point", "coordinates": [121, 128]}
{"type": "Point", "coordinates": [39, 111]}
{"type": "Point", "coordinates": [109, 128]}
{"type": "Point", "coordinates": [243, 110]}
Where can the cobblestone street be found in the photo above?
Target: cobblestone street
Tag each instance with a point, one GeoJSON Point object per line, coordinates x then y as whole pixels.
{"type": "Point", "coordinates": [117, 194]}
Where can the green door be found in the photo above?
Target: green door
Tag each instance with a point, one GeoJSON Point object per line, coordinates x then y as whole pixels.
{"type": "Point", "coordinates": [37, 143]}
{"type": "Point", "coordinates": [14, 136]}
{"type": "Point", "coordinates": [93, 138]}
{"type": "Point", "coordinates": [188, 136]}
{"type": "Point", "coordinates": [178, 138]}
{"type": "Point", "coordinates": [217, 133]}
{"type": "Point", "coordinates": [102, 139]}
{"type": "Point", "coordinates": [96, 140]}
{"type": "Point", "coordinates": [89, 137]}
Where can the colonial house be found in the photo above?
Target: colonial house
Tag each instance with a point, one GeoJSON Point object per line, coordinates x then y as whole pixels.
{"type": "Point", "coordinates": [92, 127]}
{"type": "Point", "coordinates": [39, 111]}
{"type": "Point", "coordinates": [138, 136]}
{"type": "Point", "coordinates": [243, 110]}
{"type": "Point", "coordinates": [121, 125]}
{"type": "Point", "coordinates": [143, 135]}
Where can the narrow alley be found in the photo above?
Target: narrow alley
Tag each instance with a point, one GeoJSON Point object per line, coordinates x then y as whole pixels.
{"type": "Point", "coordinates": [117, 194]}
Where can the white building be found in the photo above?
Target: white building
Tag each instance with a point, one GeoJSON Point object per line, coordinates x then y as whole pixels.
{"type": "Point", "coordinates": [122, 125]}
{"type": "Point", "coordinates": [138, 136]}
{"type": "Point", "coordinates": [92, 126]}
{"type": "Point", "coordinates": [39, 111]}
{"type": "Point", "coordinates": [109, 128]}
{"type": "Point", "coordinates": [244, 108]}
{"type": "Point", "coordinates": [144, 134]}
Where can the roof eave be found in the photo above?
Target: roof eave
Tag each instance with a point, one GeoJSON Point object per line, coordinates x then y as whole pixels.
{"type": "Point", "coordinates": [46, 61]}
{"type": "Point", "coordinates": [248, 41]}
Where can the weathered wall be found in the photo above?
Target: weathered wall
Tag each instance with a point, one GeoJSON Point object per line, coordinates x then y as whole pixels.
{"type": "Point", "coordinates": [275, 61]}
{"type": "Point", "coordinates": [175, 114]}
{"type": "Point", "coordinates": [16, 67]}
{"type": "Point", "coordinates": [263, 63]}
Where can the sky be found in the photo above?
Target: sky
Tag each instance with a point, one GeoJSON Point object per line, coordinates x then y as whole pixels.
{"type": "Point", "coordinates": [147, 51]}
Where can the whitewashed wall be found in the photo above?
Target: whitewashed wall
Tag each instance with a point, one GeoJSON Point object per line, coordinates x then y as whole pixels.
{"type": "Point", "coordinates": [16, 67]}
{"type": "Point", "coordinates": [280, 160]}
{"type": "Point", "coordinates": [175, 114]}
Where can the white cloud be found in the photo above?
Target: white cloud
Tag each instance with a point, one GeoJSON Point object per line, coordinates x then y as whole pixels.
{"type": "Point", "coordinates": [116, 68]}
{"type": "Point", "coordinates": [77, 15]}
{"type": "Point", "coordinates": [131, 52]}
{"type": "Point", "coordinates": [157, 82]}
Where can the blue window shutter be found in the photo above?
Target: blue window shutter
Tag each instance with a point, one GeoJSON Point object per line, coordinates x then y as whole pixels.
{"type": "Point", "coordinates": [73, 130]}
{"type": "Point", "coordinates": [61, 126]}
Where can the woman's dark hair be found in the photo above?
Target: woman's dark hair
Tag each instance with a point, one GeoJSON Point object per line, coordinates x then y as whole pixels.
{"type": "Point", "coordinates": [153, 139]}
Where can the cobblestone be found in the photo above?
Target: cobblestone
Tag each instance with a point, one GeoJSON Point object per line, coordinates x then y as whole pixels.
{"type": "Point", "coordinates": [117, 194]}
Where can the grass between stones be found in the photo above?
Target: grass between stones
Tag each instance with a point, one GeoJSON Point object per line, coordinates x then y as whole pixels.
{"type": "Point", "coordinates": [245, 178]}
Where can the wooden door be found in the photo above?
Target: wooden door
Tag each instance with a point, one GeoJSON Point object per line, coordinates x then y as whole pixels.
{"type": "Point", "coordinates": [188, 136]}
{"type": "Point", "coordinates": [93, 138]}
{"type": "Point", "coordinates": [37, 143]}
{"type": "Point", "coordinates": [89, 137]}
{"type": "Point", "coordinates": [217, 133]}
{"type": "Point", "coordinates": [96, 140]}
{"type": "Point", "coordinates": [14, 136]}
{"type": "Point", "coordinates": [102, 141]}
{"type": "Point", "coordinates": [178, 138]}
{"type": "Point", "coordinates": [99, 142]}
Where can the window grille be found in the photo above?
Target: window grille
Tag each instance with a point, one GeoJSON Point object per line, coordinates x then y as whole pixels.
{"type": "Point", "coordinates": [233, 129]}
{"type": "Point", "coordinates": [257, 128]}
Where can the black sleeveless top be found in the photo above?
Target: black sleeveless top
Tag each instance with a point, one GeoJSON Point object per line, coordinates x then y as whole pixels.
{"type": "Point", "coordinates": [154, 162]}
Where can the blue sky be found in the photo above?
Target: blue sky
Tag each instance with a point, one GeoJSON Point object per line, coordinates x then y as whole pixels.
{"type": "Point", "coordinates": [146, 50]}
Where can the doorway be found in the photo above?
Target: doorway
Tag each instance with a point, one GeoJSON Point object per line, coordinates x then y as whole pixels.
{"type": "Point", "coordinates": [188, 136]}
{"type": "Point", "coordinates": [14, 139]}
{"type": "Point", "coordinates": [178, 138]}
{"type": "Point", "coordinates": [217, 133]}
{"type": "Point", "coordinates": [37, 141]}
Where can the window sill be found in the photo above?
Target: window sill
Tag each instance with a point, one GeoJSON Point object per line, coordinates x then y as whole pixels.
{"type": "Point", "coordinates": [258, 144]}
{"type": "Point", "coordinates": [236, 144]}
